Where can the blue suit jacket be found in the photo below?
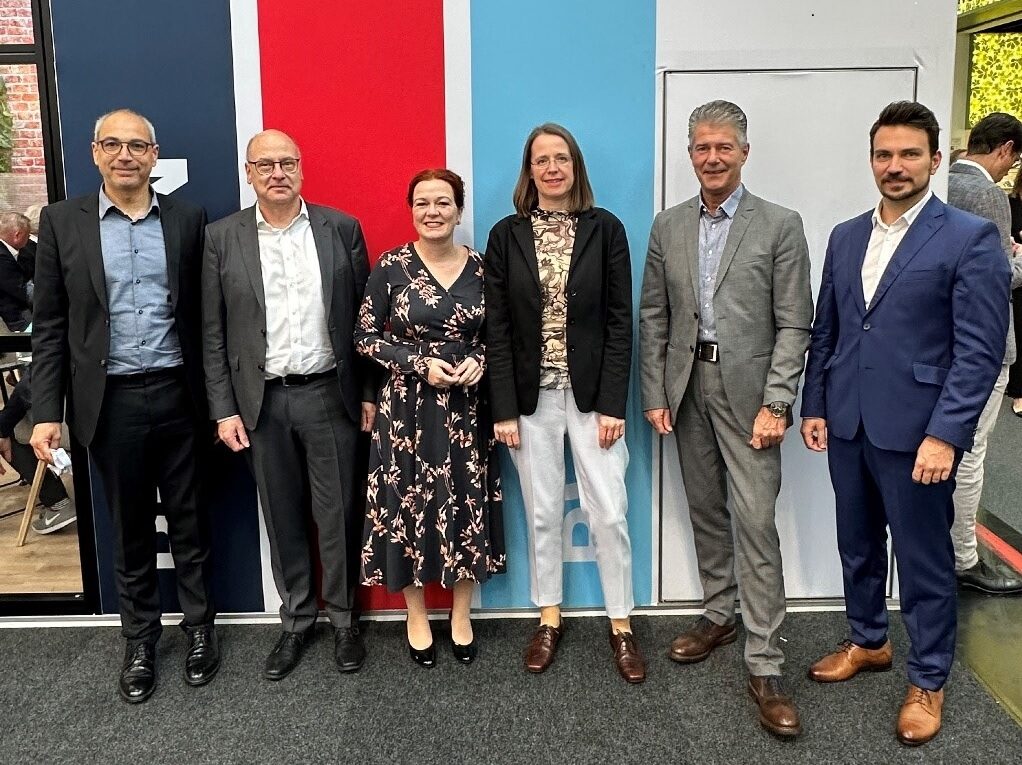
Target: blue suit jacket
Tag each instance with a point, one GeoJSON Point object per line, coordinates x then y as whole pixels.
{"type": "Point", "coordinates": [923, 359]}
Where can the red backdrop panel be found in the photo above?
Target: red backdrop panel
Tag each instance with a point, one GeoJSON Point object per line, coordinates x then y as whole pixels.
{"type": "Point", "coordinates": [367, 111]}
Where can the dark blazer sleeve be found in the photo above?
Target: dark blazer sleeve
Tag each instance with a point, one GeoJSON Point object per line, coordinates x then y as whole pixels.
{"type": "Point", "coordinates": [823, 341]}
{"type": "Point", "coordinates": [49, 324]}
{"type": "Point", "coordinates": [17, 407]}
{"type": "Point", "coordinates": [498, 331]}
{"type": "Point", "coordinates": [12, 281]}
{"type": "Point", "coordinates": [219, 391]}
{"type": "Point", "coordinates": [612, 396]}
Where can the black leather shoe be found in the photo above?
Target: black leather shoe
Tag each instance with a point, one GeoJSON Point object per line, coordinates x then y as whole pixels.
{"type": "Point", "coordinates": [287, 653]}
{"type": "Point", "coordinates": [349, 650]}
{"type": "Point", "coordinates": [466, 654]}
{"type": "Point", "coordinates": [138, 673]}
{"type": "Point", "coordinates": [424, 657]}
{"type": "Point", "coordinates": [203, 659]}
{"type": "Point", "coordinates": [983, 578]}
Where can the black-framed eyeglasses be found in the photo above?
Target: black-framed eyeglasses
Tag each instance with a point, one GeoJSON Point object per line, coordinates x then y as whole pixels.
{"type": "Point", "coordinates": [288, 165]}
{"type": "Point", "coordinates": [136, 147]}
{"type": "Point", "coordinates": [560, 160]}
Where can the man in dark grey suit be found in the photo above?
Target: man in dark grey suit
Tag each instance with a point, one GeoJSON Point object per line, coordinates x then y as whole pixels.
{"type": "Point", "coordinates": [282, 283]}
{"type": "Point", "coordinates": [15, 283]}
{"type": "Point", "coordinates": [994, 145]}
{"type": "Point", "coordinates": [724, 324]}
{"type": "Point", "coordinates": [117, 329]}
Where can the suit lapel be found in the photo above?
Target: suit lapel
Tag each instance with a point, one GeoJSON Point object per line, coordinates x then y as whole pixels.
{"type": "Point", "coordinates": [583, 233]}
{"type": "Point", "coordinates": [248, 243]}
{"type": "Point", "coordinates": [527, 245]}
{"type": "Point", "coordinates": [92, 246]}
{"type": "Point", "coordinates": [743, 216]}
{"type": "Point", "coordinates": [323, 236]}
{"type": "Point", "coordinates": [689, 237]}
{"type": "Point", "coordinates": [930, 219]}
{"type": "Point", "coordinates": [171, 245]}
{"type": "Point", "coordinates": [857, 250]}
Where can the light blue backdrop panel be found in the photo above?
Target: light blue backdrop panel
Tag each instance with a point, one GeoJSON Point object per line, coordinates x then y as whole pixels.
{"type": "Point", "coordinates": [589, 65]}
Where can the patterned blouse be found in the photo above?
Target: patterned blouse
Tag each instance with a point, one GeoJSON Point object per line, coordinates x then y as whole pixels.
{"type": "Point", "coordinates": [554, 235]}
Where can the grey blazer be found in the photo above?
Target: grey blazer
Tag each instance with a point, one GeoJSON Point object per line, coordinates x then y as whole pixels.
{"type": "Point", "coordinates": [968, 189]}
{"type": "Point", "coordinates": [763, 305]}
{"type": "Point", "coordinates": [234, 310]}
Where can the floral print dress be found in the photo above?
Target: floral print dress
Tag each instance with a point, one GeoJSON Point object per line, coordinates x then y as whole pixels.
{"type": "Point", "coordinates": [433, 511]}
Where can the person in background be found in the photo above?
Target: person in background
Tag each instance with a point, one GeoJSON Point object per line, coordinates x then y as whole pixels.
{"type": "Point", "coordinates": [434, 506]}
{"type": "Point", "coordinates": [559, 349]}
{"type": "Point", "coordinates": [1014, 388]}
{"type": "Point", "coordinates": [17, 252]}
{"type": "Point", "coordinates": [994, 145]}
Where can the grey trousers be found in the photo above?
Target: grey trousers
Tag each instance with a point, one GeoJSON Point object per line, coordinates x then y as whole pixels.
{"type": "Point", "coordinates": [303, 459]}
{"type": "Point", "coordinates": [969, 479]}
{"type": "Point", "coordinates": [737, 537]}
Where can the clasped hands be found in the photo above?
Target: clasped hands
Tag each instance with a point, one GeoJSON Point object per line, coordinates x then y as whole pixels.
{"type": "Point", "coordinates": [935, 459]}
{"type": "Point", "coordinates": [444, 375]}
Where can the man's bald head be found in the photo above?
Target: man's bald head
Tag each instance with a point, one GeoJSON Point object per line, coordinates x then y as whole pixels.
{"type": "Point", "coordinates": [273, 138]}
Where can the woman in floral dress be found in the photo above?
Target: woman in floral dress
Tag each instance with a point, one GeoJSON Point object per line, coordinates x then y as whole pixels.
{"type": "Point", "coordinates": [434, 506]}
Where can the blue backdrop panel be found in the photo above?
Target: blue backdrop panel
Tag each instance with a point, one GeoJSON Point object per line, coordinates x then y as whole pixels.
{"type": "Point", "coordinates": [171, 62]}
{"type": "Point", "coordinates": [525, 71]}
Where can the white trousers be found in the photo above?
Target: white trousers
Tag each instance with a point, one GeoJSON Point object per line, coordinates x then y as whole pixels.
{"type": "Point", "coordinates": [969, 479]}
{"type": "Point", "coordinates": [600, 474]}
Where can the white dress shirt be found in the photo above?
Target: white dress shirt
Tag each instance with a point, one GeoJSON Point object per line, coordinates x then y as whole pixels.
{"type": "Point", "coordinates": [297, 340]}
{"type": "Point", "coordinates": [883, 241]}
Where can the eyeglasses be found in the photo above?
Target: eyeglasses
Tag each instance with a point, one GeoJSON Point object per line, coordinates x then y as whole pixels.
{"type": "Point", "coordinates": [560, 160]}
{"type": "Point", "coordinates": [288, 165]}
{"type": "Point", "coordinates": [136, 148]}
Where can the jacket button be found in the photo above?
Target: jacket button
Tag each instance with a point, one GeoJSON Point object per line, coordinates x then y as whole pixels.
{"type": "Point", "coordinates": [574, 293]}
{"type": "Point", "coordinates": [571, 321]}
{"type": "Point", "coordinates": [260, 367]}
{"type": "Point", "coordinates": [102, 362]}
{"type": "Point", "coordinates": [866, 326]}
{"type": "Point", "coordinates": [692, 348]}
{"type": "Point", "coordinates": [263, 331]}
{"type": "Point", "coordinates": [107, 322]}
{"type": "Point", "coordinates": [571, 348]}
{"type": "Point", "coordinates": [695, 315]}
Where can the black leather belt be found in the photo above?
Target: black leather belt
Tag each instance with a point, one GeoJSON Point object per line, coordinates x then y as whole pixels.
{"type": "Point", "coordinates": [290, 381]}
{"type": "Point", "coordinates": [707, 352]}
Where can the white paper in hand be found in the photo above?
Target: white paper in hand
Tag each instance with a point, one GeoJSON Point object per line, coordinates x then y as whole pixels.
{"type": "Point", "coordinates": [61, 462]}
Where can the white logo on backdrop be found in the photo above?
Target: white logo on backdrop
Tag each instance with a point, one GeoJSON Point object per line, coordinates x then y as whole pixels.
{"type": "Point", "coordinates": [169, 175]}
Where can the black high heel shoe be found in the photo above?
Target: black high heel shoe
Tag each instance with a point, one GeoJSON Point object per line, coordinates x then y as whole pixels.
{"type": "Point", "coordinates": [466, 654]}
{"type": "Point", "coordinates": [424, 657]}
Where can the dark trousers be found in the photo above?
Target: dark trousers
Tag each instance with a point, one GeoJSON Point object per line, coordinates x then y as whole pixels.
{"type": "Point", "coordinates": [149, 439]}
{"type": "Point", "coordinates": [874, 490]}
{"type": "Point", "coordinates": [303, 455]}
{"type": "Point", "coordinates": [23, 460]}
{"type": "Point", "coordinates": [1014, 389]}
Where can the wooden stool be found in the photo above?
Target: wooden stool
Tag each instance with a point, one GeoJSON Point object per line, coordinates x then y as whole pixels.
{"type": "Point", "coordinates": [33, 497]}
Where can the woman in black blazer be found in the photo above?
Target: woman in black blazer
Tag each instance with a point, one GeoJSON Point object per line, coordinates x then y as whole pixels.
{"type": "Point", "coordinates": [558, 346]}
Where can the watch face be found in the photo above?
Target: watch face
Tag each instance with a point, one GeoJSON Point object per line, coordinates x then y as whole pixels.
{"type": "Point", "coordinates": [778, 409]}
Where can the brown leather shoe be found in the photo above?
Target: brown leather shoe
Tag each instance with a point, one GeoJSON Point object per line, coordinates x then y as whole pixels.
{"type": "Point", "coordinates": [777, 710]}
{"type": "Point", "coordinates": [697, 643]}
{"type": "Point", "coordinates": [628, 657]}
{"type": "Point", "coordinates": [849, 660]}
{"type": "Point", "coordinates": [919, 718]}
{"type": "Point", "coordinates": [539, 653]}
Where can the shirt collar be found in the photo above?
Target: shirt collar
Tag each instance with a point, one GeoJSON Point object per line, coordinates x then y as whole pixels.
{"type": "Point", "coordinates": [10, 249]}
{"type": "Point", "coordinates": [982, 169]}
{"type": "Point", "coordinates": [729, 205]}
{"type": "Point", "coordinates": [908, 216]}
{"type": "Point", "coordinates": [262, 223]}
{"type": "Point", "coordinates": [106, 204]}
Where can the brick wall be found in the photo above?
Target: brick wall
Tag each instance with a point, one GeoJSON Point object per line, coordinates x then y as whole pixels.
{"type": "Point", "coordinates": [26, 185]}
{"type": "Point", "coordinates": [16, 22]}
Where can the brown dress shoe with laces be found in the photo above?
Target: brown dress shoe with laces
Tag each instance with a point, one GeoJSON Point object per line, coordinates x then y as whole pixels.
{"type": "Point", "coordinates": [539, 653]}
{"type": "Point", "coordinates": [628, 657]}
{"type": "Point", "coordinates": [849, 660]}
{"type": "Point", "coordinates": [697, 643]}
{"type": "Point", "coordinates": [777, 710]}
{"type": "Point", "coordinates": [919, 718]}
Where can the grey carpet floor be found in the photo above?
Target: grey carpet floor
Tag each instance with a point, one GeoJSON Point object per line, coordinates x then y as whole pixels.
{"type": "Point", "coordinates": [1002, 484]}
{"type": "Point", "coordinates": [58, 704]}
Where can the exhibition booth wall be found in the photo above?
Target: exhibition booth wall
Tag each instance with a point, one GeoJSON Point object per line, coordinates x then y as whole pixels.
{"type": "Point", "coordinates": [374, 92]}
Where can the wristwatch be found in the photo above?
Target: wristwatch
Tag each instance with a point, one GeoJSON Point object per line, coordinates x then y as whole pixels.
{"type": "Point", "coordinates": [778, 409]}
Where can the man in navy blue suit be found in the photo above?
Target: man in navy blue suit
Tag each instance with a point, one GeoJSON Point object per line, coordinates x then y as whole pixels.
{"type": "Point", "coordinates": [907, 344]}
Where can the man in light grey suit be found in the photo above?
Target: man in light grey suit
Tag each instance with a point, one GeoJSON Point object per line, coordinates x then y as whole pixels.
{"type": "Point", "coordinates": [282, 282]}
{"type": "Point", "coordinates": [994, 145]}
{"type": "Point", "coordinates": [723, 330]}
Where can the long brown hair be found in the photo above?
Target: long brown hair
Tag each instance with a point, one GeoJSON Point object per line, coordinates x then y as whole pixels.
{"type": "Point", "coordinates": [526, 198]}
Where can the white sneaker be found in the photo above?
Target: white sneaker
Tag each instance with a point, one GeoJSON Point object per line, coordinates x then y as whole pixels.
{"type": "Point", "coordinates": [54, 518]}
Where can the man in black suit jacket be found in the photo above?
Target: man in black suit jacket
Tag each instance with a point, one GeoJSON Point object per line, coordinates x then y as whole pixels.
{"type": "Point", "coordinates": [15, 257]}
{"type": "Point", "coordinates": [281, 286]}
{"type": "Point", "coordinates": [117, 329]}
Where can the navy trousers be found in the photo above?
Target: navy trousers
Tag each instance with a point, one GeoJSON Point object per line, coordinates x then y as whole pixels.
{"type": "Point", "coordinates": [874, 490]}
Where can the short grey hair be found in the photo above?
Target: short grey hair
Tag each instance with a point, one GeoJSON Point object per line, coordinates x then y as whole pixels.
{"type": "Point", "coordinates": [720, 113]}
{"type": "Point", "coordinates": [12, 220]}
{"type": "Point", "coordinates": [102, 117]}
